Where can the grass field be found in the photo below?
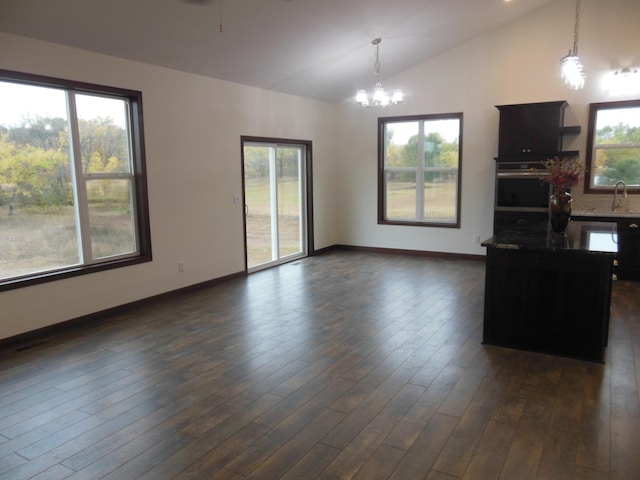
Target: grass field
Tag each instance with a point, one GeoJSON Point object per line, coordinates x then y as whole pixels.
{"type": "Point", "coordinates": [259, 237]}
{"type": "Point", "coordinates": [40, 239]}
{"type": "Point", "coordinates": [439, 203]}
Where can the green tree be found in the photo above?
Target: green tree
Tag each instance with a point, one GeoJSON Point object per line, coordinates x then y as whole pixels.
{"type": "Point", "coordinates": [43, 132]}
{"type": "Point", "coordinates": [393, 150]}
{"type": "Point", "coordinates": [433, 149]}
{"type": "Point", "coordinates": [35, 168]}
{"type": "Point", "coordinates": [287, 158]}
{"type": "Point", "coordinates": [31, 175]}
{"type": "Point", "coordinates": [409, 153]}
{"type": "Point", "coordinates": [256, 161]}
{"type": "Point", "coordinates": [100, 142]}
{"type": "Point", "coordinates": [616, 164]}
{"type": "Point", "coordinates": [437, 153]}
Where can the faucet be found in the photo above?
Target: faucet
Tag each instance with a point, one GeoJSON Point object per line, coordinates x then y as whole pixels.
{"type": "Point", "coordinates": [617, 203]}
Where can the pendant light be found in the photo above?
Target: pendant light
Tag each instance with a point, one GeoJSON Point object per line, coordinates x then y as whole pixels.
{"type": "Point", "coordinates": [571, 69]}
{"type": "Point", "coordinates": [378, 98]}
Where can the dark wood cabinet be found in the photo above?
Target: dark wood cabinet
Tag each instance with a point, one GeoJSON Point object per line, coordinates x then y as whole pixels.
{"type": "Point", "coordinates": [531, 130]}
{"type": "Point", "coordinates": [628, 259]}
{"type": "Point", "coordinates": [548, 302]}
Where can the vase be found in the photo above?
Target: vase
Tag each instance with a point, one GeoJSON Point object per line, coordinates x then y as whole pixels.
{"type": "Point", "coordinates": [559, 211]}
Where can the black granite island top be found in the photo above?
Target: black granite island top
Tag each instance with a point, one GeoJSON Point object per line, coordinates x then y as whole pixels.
{"type": "Point", "coordinates": [583, 237]}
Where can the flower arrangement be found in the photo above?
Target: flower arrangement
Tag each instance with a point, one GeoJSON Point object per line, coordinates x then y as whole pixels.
{"type": "Point", "coordinates": [564, 173]}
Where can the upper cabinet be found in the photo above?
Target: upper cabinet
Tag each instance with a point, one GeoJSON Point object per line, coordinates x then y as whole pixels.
{"type": "Point", "coordinates": [533, 130]}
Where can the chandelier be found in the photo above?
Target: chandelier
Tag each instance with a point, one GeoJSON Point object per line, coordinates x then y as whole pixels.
{"type": "Point", "coordinates": [571, 69]}
{"type": "Point", "coordinates": [378, 98]}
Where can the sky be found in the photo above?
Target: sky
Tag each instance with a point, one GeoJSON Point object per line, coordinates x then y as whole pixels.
{"type": "Point", "coordinates": [402, 131]}
{"type": "Point", "coordinates": [18, 101]}
{"type": "Point", "coordinates": [630, 116]}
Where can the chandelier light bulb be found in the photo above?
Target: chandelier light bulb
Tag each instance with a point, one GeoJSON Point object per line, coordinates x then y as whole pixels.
{"type": "Point", "coordinates": [362, 99]}
{"type": "Point", "coordinates": [397, 97]}
{"type": "Point", "coordinates": [379, 97]}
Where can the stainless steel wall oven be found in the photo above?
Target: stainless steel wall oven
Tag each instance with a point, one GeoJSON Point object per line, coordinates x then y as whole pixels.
{"type": "Point", "coordinates": [520, 186]}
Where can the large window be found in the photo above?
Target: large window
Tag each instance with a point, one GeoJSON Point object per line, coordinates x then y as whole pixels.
{"type": "Point", "coordinates": [72, 179]}
{"type": "Point", "coordinates": [613, 146]}
{"type": "Point", "coordinates": [419, 169]}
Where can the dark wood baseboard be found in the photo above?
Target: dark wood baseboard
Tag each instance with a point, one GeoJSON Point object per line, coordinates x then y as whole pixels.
{"type": "Point", "coordinates": [415, 253]}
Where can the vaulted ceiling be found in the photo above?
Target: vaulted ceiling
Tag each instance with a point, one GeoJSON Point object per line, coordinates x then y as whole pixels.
{"type": "Point", "coordinates": [313, 48]}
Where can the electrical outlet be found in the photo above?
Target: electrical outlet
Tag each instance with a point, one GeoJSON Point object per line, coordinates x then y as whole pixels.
{"type": "Point", "coordinates": [476, 239]}
{"type": "Point", "coordinates": [236, 198]}
{"type": "Point", "coordinates": [180, 267]}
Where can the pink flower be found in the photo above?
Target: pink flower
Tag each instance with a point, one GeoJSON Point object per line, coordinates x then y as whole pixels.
{"type": "Point", "coordinates": [564, 173]}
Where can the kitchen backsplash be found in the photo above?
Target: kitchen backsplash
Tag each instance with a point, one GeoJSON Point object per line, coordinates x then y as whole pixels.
{"type": "Point", "coordinates": [603, 203]}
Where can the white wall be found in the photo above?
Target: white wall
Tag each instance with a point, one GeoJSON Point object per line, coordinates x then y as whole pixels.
{"type": "Point", "coordinates": [518, 63]}
{"type": "Point", "coordinates": [192, 127]}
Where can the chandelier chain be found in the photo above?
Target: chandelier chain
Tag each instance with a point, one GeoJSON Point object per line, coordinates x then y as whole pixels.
{"type": "Point", "coordinates": [220, 15]}
{"type": "Point", "coordinates": [576, 29]}
{"type": "Point", "coordinates": [376, 66]}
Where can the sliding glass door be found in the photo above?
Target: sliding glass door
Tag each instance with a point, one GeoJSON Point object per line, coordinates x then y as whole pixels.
{"type": "Point", "coordinates": [275, 193]}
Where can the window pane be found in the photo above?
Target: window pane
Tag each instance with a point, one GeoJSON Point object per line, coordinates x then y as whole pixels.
{"type": "Point", "coordinates": [104, 145]}
{"type": "Point", "coordinates": [111, 223]}
{"type": "Point", "coordinates": [617, 125]}
{"type": "Point", "coordinates": [37, 218]}
{"type": "Point", "coordinates": [402, 144]}
{"type": "Point", "coordinates": [288, 171]}
{"type": "Point", "coordinates": [258, 196]}
{"type": "Point", "coordinates": [615, 164]}
{"type": "Point", "coordinates": [401, 195]}
{"type": "Point", "coordinates": [613, 153]}
{"type": "Point", "coordinates": [51, 232]}
{"type": "Point", "coordinates": [441, 151]}
{"type": "Point", "coordinates": [614, 129]}
{"type": "Point", "coordinates": [441, 143]}
{"type": "Point", "coordinates": [440, 195]}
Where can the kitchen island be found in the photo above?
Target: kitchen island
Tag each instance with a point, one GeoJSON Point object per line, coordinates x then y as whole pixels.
{"type": "Point", "coordinates": [550, 293]}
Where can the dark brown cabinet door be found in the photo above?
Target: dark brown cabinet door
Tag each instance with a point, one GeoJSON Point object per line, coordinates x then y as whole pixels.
{"type": "Point", "coordinates": [628, 250]}
{"type": "Point", "coordinates": [531, 130]}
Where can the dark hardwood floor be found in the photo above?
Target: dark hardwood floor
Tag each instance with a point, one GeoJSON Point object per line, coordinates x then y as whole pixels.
{"type": "Point", "coordinates": [347, 365]}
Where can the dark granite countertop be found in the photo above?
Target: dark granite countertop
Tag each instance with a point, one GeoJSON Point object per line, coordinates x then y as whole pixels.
{"type": "Point", "coordinates": [612, 216]}
{"type": "Point", "coordinates": [585, 237]}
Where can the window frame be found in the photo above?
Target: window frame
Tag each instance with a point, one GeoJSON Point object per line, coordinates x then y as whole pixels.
{"type": "Point", "coordinates": [594, 108]}
{"type": "Point", "coordinates": [139, 181]}
{"type": "Point", "coordinates": [382, 201]}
